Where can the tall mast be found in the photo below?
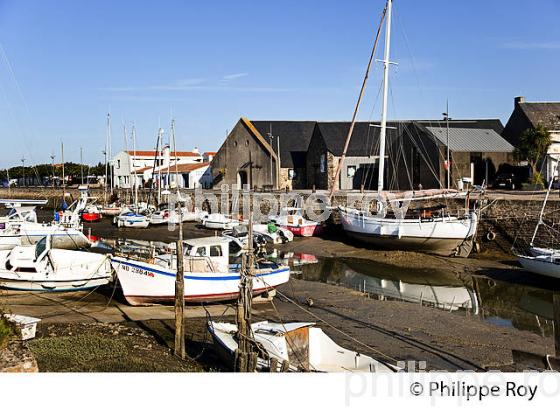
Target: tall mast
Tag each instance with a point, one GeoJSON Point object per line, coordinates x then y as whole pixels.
{"type": "Point", "coordinates": [130, 162]}
{"type": "Point", "coordinates": [135, 186]}
{"type": "Point", "coordinates": [357, 108]}
{"type": "Point", "coordinates": [160, 138]}
{"type": "Point", "coordinates": [109, 152]}
{"type": "Point", "coordinates": [63, 171]}
{"type": "Point", "coordinates": [540, 221]}
{"type": "Point", "coordinates": [386, 63]}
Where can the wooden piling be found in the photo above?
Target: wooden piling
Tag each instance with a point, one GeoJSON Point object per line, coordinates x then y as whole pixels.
{"type": "Point", "coordinates": [179, 304]}
{"type": "Point", "coordinates": [556, 308]}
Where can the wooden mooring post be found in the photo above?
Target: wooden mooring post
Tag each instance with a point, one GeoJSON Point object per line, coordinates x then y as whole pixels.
{"type": "Point", "coordinates": [556, 310]}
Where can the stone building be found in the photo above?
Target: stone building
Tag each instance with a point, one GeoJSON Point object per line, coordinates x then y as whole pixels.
{"type": "Point", "coordinates": [305, 154]}
{"type": "Point", "coordinates": [528, 115]}
{"type": "Point", "coordinates": [264, 154]}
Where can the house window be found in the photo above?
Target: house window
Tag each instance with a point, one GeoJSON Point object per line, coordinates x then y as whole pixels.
{"type": "Point", "coordinates": [351, 171]}
{"type": "Point", "coordinates": [323, 166]}
{"type": "Point", "coordinates": [119, 164]}
{"type": "Point", "coordinates": [291, 174]}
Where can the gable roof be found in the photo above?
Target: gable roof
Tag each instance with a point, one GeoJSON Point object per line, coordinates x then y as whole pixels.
{"type": "Point", "coordinates": [545, 113]}
{"type": "Point", "coordinates": [293, 136]}
{"type": "Point", "coordinates": [471, 139]}
{"type": "Point", "coordinates": [259, 137]}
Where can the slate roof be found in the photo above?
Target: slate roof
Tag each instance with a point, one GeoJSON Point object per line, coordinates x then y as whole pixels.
{"type": "Point", "coordinates": [492, 124]}
{"type": "Point", "coordinates": [471, 139]}
{"type": "Point", "coordinates": [294, 139]}
{"type": "Point", "coordinates": [545, 113]}
{"type": "Point", "coordinates": [152, 154]}
{"type": "Point", "coordinates": [365, 137]}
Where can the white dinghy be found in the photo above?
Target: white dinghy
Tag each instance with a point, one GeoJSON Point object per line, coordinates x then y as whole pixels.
{"type": "Point", "coordinates": [207, 272]}
{"type": "Point", "coordinates": [219, 221]}
{"type": "Point", "coordinates": [298, 346]}
{"type": "Point", "coordinates": [41, 268]}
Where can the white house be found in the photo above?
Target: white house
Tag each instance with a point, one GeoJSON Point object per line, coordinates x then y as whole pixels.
{"type": "Point", "coordinates": [191, 175]}
{"type": "Point", "coordinates": [142, 163]}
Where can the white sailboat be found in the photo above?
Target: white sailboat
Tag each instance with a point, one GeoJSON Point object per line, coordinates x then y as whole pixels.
{"type": "Point", "coordinates": [444, 234]}
{"type": "Point", "coordinates": [42, 268]}
{"type": "Point", "coordinates": [132, 217]}
{"type": "Point", "coordinates": [542, 261]}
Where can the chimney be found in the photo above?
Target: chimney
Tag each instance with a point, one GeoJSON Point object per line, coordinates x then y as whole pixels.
{"type": "Point", "coordinates": [166, 154]}
{"type": "Point", "coordinates": [195, 150]}
{"type": "Point", "coordinates": [518, 100]}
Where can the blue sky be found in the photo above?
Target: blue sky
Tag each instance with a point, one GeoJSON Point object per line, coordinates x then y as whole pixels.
{"type": "Point", "coordinates": [64, 64]}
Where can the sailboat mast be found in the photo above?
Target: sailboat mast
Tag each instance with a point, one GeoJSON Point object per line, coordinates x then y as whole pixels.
{"type": "Point", "coordinates": [540, 221]}
{"type": "Point", "coordinates": [109, 150]}
{"type": "Point", "coordinates": [135, 186]}
{"type": "Point", "coordinates": [160, 137]}
{"type": "Point", "coordinates": [386, 63]}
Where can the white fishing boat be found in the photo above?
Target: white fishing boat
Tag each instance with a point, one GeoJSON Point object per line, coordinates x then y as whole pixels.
{"type": "Point", "coordinates": [20, 228]}
{"type": "Point", "coordinates": [442, 234]}
{"type": "Point", "coordinates": [42, 268]}
{"type": "Point", "coordinates": [219, 221]}
{"type": "Point", "coordinates": [207, 273]}
{"type": "Point", "coordinates": [110, 210]}
{"type": "Point", "coordinates": [299, 346]}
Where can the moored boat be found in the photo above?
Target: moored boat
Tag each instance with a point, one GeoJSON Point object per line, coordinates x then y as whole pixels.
{"type": "Point", "coordinates": [295, 346]}
{"type": "Point", "coordinates": [207, 273]}
{"type": "Point", "coordinates": [42, 268]}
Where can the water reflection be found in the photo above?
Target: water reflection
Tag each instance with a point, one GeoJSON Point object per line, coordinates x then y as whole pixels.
{"type": "Point", "coordinates": [502, 303]}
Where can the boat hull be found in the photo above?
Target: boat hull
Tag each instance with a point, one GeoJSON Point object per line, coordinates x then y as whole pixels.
{"type": "Point", "coordinates": [91, 217]}
{"type": "Point", "coordinates": [144, 283]}
{"type": "Point", "coordinates": [305, 230]}
{"type": "Point", "coordinates": [442, 236]}
{"type": "Point", "coordinates": [72, 239]}
{"type": "Point", "coordinates": [541, 265]}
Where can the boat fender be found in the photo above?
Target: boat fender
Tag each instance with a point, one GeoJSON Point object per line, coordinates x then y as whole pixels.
{"type": "Point", "coordinates": [491, 236]}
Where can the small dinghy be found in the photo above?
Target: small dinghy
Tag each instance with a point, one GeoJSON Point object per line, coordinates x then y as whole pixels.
{"type": "Point", "coordinates": [130, 219]}
{"type": "Point", "coordinates": [293, 220]}
{"type": "Point", "coordinates": [273, 233]}
{"type": "Point", "coordinates": [41, 268]}
{"type": "Point", "coordinates": [110, 210]}
{"type": "Point", "coordinates": [207, 272]}
{"type": "Point", "coordinates": [91, 214]}
{"type": "Point", "coordinates": [219, 221]}
{"type": "Point", "coordinates": [296, 346]}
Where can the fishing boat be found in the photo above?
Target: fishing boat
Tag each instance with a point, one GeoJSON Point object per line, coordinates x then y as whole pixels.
{"type": "Point", "coordinates": [196, 215]}
{"type": "Point", "coordinates": [219, 221]}
{"type": "Point", "coordinates": [440, 233]}
{"type": "Point", "coordinates": [42, 268]}
{"type": "Point", "coordinates": [208, 274]}
{"type": "Point", "coordinates": [296, 347]}
{"type": "Point", "coordinates": [20, 228]}
{"type": "Point", "coordinates": [292, 219]}
{"type": "Point", "coordinates": [239, 239]}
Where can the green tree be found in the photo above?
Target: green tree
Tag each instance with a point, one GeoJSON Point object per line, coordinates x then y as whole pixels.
{"type": "Point", "coordinates": [533, 147]}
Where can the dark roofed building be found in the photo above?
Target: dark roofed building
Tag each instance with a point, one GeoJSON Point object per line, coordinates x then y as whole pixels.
{"type": "Point", "coordinates": [528, 115]}
{"type": "Point", "coordinates": [305, 154]}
